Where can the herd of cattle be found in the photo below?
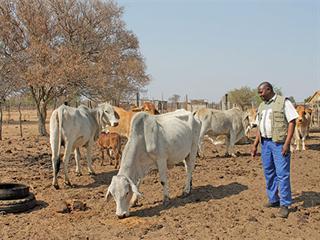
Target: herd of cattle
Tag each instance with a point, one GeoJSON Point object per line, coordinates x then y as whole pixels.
{"type": "Point", "coordinates": [154, 141]}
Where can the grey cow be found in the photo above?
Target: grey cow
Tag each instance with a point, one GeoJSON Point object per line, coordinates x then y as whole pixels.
{"type": "Point", "coordinates": [232, 123]}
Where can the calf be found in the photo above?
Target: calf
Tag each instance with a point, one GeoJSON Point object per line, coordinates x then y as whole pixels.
{"type": "Point", "coordinates": [111, 142]}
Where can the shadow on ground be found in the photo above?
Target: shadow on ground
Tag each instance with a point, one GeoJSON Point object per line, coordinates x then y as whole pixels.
{"type": "Point", "coordinates": [198, 194]}
{"type": "Point", "coordinates": [309, 199]}
{"type": "Point", "coordinates": [313, 146]}
{"type": "Point", "coordinates": [103, 178]}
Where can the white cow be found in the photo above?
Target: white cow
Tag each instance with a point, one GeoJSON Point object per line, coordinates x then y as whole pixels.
{"type": "Point", "coordinates": [74, 128]}
{"type": "Point", "coordinates": [155, 142]}
{"type": "Point", "coordinates": [232, 123]}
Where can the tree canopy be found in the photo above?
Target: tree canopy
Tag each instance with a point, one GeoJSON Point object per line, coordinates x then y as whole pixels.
{"type": "Point", "coordinates": [246, 97]}
{"type": "Point", "coordinates": [70, 47]}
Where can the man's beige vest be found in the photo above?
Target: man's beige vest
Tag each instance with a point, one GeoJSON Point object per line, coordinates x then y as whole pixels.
{"type": "Point", "coordinates": [279, 123]}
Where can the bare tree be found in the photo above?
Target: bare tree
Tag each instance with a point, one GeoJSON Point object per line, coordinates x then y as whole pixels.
{"type": "Point", "coordinates": [70, 47]}
{"type": "Point", "coordinates": [8, 85]}
{"type": "Point", "coordinates": [5, 90]}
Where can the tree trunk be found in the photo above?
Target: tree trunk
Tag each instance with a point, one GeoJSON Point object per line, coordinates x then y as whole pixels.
{"type": "Point", "coordinates": [1, 120]}
{"type": "Point", "coordinates": [41, 98]}
{"type": "Point", "coordinates": [9, 113]}
{"type": "Point", "coordinates": [20, 119]}
{"type": "Point", "coordinates": [42, 116]}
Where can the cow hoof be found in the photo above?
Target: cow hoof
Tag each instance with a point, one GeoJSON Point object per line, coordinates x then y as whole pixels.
{"type": "Point", "coordinates": [135, 204]}
{"type": "Point", "coordinates": [185, 194]}
{"type": "Point", "coordinates": [166, 202]}
{"type": "Point", "coordinates": [56, 186]}
{"type": "Point", "coordinates": [78, 174]}
{"type": "Point", "coordinates": [92, 173]}
{"type": "Point", "coordinates": [68, 184]}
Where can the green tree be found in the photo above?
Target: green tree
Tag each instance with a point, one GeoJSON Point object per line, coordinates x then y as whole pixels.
{"type": "Point", "coordinates": [174, 98]}
{"type": "Point", "coordinates": [243, 97]}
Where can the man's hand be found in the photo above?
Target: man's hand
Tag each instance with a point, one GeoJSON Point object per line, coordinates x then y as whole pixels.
{"type": "Point", "coordinates": [285, 149]}
{"type": "Point", "coordinates": [286, 145]}
{"type": "Point", "coordinates": [255, 144]}
{"type": "Point", "coordinates": [254, 151]}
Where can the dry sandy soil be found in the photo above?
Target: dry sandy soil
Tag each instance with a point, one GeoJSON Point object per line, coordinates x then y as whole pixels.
{"type": "Point", "coordinates": [225, 203]}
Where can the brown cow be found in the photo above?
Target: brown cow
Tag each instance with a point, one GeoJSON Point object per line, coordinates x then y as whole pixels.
{"type": "Point", "coordinates": [149, 107]}
{"type": "Point", "coordinates": [309, 110]}
{"type": "Point", "coordinates": [124, 122]}
{"type": "Point", "coordinates": [252, 115]}
{"type": "Point", "coordinates": [125, 117]}
{"type": "Point", "coordinates": [111, 142]}
{"type": "Point", "coordinates": [302, 126]}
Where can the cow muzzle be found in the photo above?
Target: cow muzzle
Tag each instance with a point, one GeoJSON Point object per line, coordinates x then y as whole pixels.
{"type": "Point", "coordinates": [122, 216]}
{"type": "Point", "coordinates": [253, 125]}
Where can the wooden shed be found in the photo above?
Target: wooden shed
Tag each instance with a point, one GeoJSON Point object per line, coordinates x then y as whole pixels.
{"type": "Point", "coordinates": [314, 99]}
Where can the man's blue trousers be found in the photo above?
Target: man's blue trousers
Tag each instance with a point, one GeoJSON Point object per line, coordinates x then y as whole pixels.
{"type": "Point", "coordinates": [276, 171]}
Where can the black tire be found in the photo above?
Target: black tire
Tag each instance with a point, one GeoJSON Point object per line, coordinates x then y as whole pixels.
{"type": "Point", "coordinates": [13, 191]}
{"type": "Point", "coordinates": [18, 205]}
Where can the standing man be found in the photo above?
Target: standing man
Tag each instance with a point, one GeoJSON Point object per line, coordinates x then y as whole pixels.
{"type": "Point", "coordinates": [276, 122]}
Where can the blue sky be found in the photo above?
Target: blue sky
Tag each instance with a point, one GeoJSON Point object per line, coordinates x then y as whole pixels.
{"type": "Point", "coordinates": [204, 48]}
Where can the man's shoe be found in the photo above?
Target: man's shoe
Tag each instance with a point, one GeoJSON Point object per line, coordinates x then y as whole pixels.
{"type": "Point", "coordinates": [283, 212]}
{"type": "Point", "coordinates": [272, 205]}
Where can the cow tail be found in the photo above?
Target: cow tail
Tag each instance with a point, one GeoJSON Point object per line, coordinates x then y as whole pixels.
{"type": "Point", "coordinates": [57, 163]}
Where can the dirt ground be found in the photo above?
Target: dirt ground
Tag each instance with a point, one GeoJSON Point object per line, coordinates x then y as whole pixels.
{"type": "Point", "coordinates": [225, 203]}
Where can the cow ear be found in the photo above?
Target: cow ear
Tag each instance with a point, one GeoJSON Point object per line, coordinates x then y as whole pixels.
{"type": "Point", "coordinates": [246, 119]}
{"type": "Point", "coordinates": [102, 117]}
{"type": "Point", "coordinates": [134, 188]}
{"type": "Point", "coordinates": [99, 115]}
{"type": "Point", "coordinates": [246, 123]}
{"type": "Point", "coordinates": [245, 116]}
{"type": "Point", "coordinates": [151, 133]}
{"type": "Point", "coordinates": [108, 195]}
